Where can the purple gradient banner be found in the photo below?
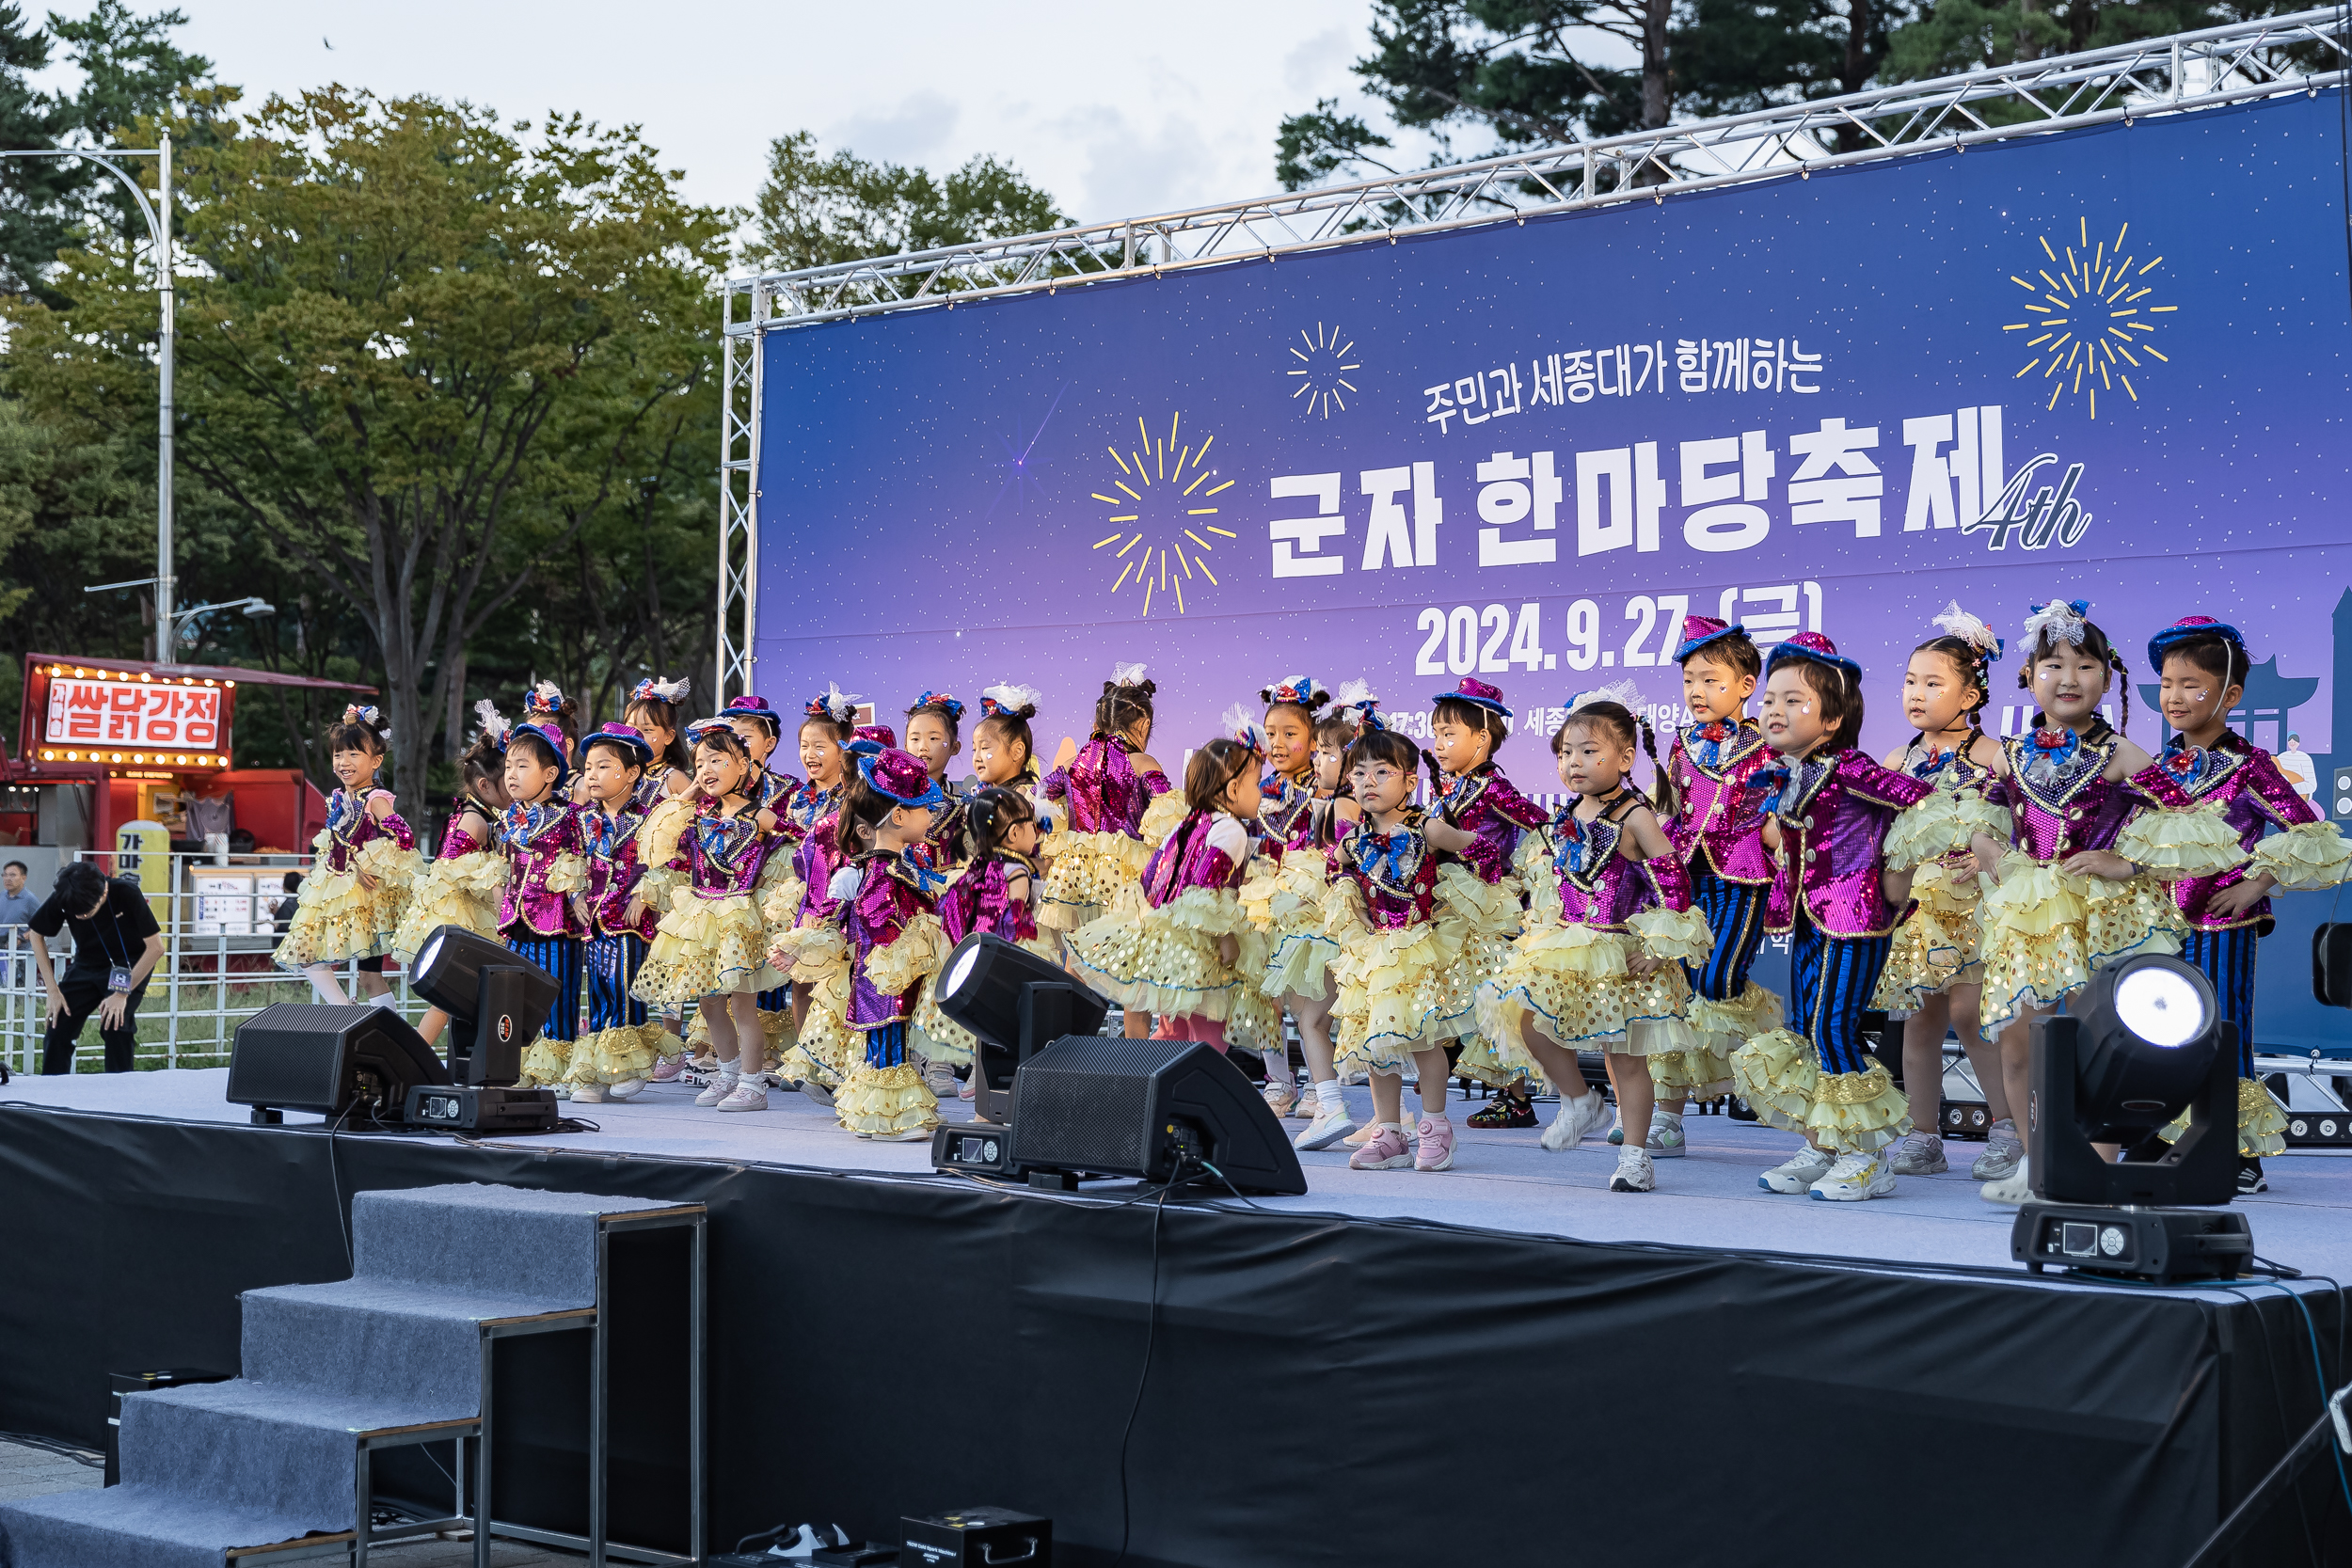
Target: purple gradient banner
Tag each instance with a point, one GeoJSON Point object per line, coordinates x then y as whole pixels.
{"type": "Point", "coordinates": [2108, 365]}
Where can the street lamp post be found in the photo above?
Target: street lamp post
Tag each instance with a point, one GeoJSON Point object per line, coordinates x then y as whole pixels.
{"type": "Point", "coordinates": [159, 229]}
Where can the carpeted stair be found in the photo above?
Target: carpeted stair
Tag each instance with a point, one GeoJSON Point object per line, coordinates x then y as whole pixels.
{"type": "Point", "coordinates": [270, 1457]}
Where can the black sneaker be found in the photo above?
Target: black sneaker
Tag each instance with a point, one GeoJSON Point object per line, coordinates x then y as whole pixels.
{"type": "Point", "coordinates": [2250, 1179]}
{"type": "Point", "coordinates": [1508, 1108]}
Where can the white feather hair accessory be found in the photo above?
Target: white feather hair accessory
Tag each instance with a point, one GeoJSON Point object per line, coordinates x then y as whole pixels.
{"type": "Point", "coordinates": [1352, 693]}
{"type": "Point", "coordinates": [1011, 697]}
{"type": "Point", "coordinates": [1242, 726]}
{"type": "Point", "coordinates": [1126, 675]}
{"type": "Point", "coordinates": [839, 705]}
{"type": "Point", "coordinates": [1952, 621]}
{"type": "Point", "coordinates": [493, 723]}
{"type": "Point", "coordinates": [1625, 693]}
{"type": "Point", "coordinates": [2059, 621]}
{"type": "Point", "coordinates": [653, 688]}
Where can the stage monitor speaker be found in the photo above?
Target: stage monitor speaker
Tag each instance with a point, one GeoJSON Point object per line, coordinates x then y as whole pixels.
{"type": "Point", "coordinates": [1147, 1109]}
{"type": "Point", "coordinates": [333, 1061]}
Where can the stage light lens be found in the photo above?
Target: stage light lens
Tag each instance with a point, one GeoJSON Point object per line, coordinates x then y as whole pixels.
{"type": "Point", "coordinates": [430, 951]}
{"type": "Point", "coordinates": [2160, 1006]}
{"type": "Point", "coordinates": [959, 972]}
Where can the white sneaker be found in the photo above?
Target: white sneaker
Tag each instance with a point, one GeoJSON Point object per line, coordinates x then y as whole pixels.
{"type": "Point", "coordinates": [1575, 1120]}
{"type": "Point", "coordinates": [628, 1090]}
{"type": "Point", "coordinates": [817, 1092]}
{"type": "Point", "coordinates": [588, 1094]}
{"type": "Point", "coordinates": [1854, 1177]}
{"type": "Point", "coordinates": [1666, 1136]}
{"type": "Point", "coordinates": [941, 1081]}
{"type": "Point", "coordinates": [2003, 1148]}
{"type": "Point", "coordinates": [750, 1095]}
{"type": "Point", "coordinates": [2012, 1189]}
{"type": "Point", "coordinates": [1806, 1166]}
{"type": "Point", "coordinates": [1919, 1154]}
{"type": "Point", "coordinates": [1279, 1099]}
{"type": "Point", "coordinates": [1635, 1174]}
{"type": "Point", "coordinates": [1327, 1128]}
{"type": "Point", "coordinates": [717, 1089]}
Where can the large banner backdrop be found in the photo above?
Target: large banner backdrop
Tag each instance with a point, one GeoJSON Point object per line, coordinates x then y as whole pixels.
{"type": "Point", "coordinates": [2109, 365]}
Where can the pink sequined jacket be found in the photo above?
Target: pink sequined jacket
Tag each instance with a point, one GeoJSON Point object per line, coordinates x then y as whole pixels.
{"type": "Point", "coordinates": [610, 840]}
{"type": "Point", "coordinates": [350, 828]}
{"type": "Point", "coordinates": [1599, 885]}
{"type": "Point", "coordinates": [1834, 812]}
{"type": "Point", "coordinates": [722, 856]}
{"type": "Point", "coordinates": [536, 838]}
{"type": "Point", "coordinates": [2259, 795]}
{"type": "Point", "coordinates": [815, 858]}
{"type": "Point", "coordinates": [1719, 811]}
{"type": "Point", "coordinates": [2060, 803]}
{"type": "Point", "coordinates": [1102, 792]}
{"type": "Point", "coordinates": [892, 890]}
{"type": "Point", "coordinates": [1208, 848]}
{"type": "Point", "coordinates": [1396, 872]}
{"type": "Point", "coordinates": [1482, 802]}
{"type": "Point", "coordinates": [979, 901]}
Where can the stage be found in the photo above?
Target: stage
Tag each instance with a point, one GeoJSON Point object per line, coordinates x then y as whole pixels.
{"type": "Point", "coordinates": [889, 1341]}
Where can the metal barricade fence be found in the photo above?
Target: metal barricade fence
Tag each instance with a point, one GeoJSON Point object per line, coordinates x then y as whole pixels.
{"type": "Point", "coordinates": [216, 971]}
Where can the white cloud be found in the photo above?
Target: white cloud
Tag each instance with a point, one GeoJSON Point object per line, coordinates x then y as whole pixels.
{"type": "Point", "coordinates": [912, 132]}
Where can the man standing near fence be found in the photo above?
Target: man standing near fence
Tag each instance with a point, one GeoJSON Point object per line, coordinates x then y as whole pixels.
{"type": "Point", "coordinates": [16, 913]}
{"type": "Point", "coordinates": [116, 945]}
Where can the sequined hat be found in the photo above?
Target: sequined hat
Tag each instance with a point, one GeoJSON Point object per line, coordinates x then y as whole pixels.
{"type": "Point", "coordinates": [701, 727]}
{"type": "Point", "coordinates": [1700, 630]}
{"type": "Point", "coordinates": [880, 734]}
{"type": "Point", "coordinates": [1477, 693]}
{"type": "Point", "coordinates": [2183, 629]}
{"type": "Point", "coordinates": [757, 710]}
{"type": "Point", "coordinates": [1811, 645]}
{"type": "Point", "coordinates": [628, 735]}
{"type": "Point", "coordinates": [892, 772]}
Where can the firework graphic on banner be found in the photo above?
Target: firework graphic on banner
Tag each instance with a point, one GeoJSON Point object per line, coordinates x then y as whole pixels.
{"type": "Point", "coordinates": [1321, 370]}
{"type": "Point", "coordinates": [1163, 513]}
{"type": "Point", "coordinates": [2095, 317]}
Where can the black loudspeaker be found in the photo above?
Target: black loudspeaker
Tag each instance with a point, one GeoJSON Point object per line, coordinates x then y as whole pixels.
{"type": "Point", "coordinates": [2332, 964]}
{"type": "Point", "coordinates": [302, 1056]}
{"type": "Point", "coordinates": [1149, 1109]}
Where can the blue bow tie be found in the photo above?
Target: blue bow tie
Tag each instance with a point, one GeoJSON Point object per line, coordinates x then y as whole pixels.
{"type": "Point", "coordinates": [924, 878]}
{"type": "Point", "coordinates": [1390, 860]}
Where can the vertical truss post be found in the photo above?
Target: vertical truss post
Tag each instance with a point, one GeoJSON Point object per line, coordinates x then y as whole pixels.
{"type": "Point", "coordinates": [738, 480]}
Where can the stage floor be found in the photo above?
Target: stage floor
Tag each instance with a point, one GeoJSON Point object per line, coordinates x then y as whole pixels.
{"type": "Point", "coordinates": [1501, 1181]}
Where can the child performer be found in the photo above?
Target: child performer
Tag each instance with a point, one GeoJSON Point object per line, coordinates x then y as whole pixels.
{"type": "Point", "coordinates": [1103, 789]}
{"type": "Point", "coordinates": [1610, 927]}
{"type": "Point", "coordinates": [1828, 811]}
{"type": "Point", "coordinates": [1395, 998]}
{"type": "Point", "coordinates": [703, 855]}
{"type": "Point", "coordinates": [366, 864]}
{"type": "Point", "coordinates": [540, 834]}
{"type": "Point", "coordinates": [800, 913]}
{"type": "Point", "coordinates": [885, 893]}
{"type": "Point", "coordinates": [2068, 902]}
{"type": "Point", "coordinates": [1284, 813]}
{"type": "Point", "coordinates": [1002, 751]}
{"type": "Point", "coordinates": [464, 885]}
{"type": "Point", "coordinates": [1934, 967]}
{"type": "Point", "coordinates": [771, 791]}
{"type": "Point", "coordinates": [1191, 956]}
{"type": "Point", "coordinates": [2210, 769]}
{"type": "Point", "coordinates": [934, 734]}
{"type": "Point", "coordinates": [614, 1058]}
{"type": "Point", "coordinates": [1298, 971]}
{"type": "Point", "coordinates": [995, 892]}
{"type": "Point", "coordinates": [1716, 819]}
{"type": "Point", "coordinates": [652, 711]}
{"type": "Point", "coordinates": [1467, 791]}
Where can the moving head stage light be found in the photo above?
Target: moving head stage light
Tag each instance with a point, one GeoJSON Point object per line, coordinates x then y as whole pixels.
{"type": "Point", "coordinates": [2141, 1044]}
{"type": "Point", "coordinates": [1015, 1003]}
{"type": "Point", "coordinates": [498, 1001]}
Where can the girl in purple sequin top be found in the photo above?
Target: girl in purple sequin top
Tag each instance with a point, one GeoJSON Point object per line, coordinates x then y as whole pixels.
{"type": "Point", "coordinates": [1102, 792]}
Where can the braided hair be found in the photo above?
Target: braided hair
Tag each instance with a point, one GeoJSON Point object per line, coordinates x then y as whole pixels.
{"type": "Point", "coordinates": [1625, 725]}
{"type": "Point", "coordinates": [2096, 645]}
{"type": "Point", "coordinates": [1123, 705]}
{"type": "Point", "coordinates": [1974, 665]}
{"type": "Point", "coordinates": [989, 813]}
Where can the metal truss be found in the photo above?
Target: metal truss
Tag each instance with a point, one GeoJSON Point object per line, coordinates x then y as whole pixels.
{"type": "Point", "coordinates": [2274, 56]}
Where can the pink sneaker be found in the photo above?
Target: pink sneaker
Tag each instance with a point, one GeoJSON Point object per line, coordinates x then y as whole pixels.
{"type": "Point", "coordinates": [667, 1069]}
{"type": "Point", "coordinates": [1384, 1150]}
{"type": "Point", "coordinates": [717, 1089]}
{"type": "Point", "coordinates": [750, 1095]}
{"type": "Point", "coordinates": [1436, 1145]}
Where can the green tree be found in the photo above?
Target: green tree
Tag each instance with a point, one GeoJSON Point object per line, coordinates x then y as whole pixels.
{"type": "Point", "coordinates": [132, 73]}
{"type": "Point", "coordinates": [36, 194]}
{"type": "Point", "coordinates": [815, 210]}
{"type": "Point", "coordinates": [421, 357]}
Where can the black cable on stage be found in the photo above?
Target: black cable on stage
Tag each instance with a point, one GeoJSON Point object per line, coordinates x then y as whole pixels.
{"type": "Point", "coordinates": [1150, 1334]}
{"type": "Point", "coordinates": [80, 1455]}
{"type": "Point", "coordinates": [335, 1175]}
{"type": "Point", "coordinates": [2286, 1427]}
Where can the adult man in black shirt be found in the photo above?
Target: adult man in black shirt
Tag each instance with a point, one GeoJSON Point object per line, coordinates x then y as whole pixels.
{"type": "Point", "coordinates": [116, 945]}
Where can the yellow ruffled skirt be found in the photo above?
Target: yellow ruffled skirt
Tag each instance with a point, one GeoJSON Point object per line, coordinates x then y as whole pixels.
{"type": "Point", "coordinates": [1479, 922]}
{"type": "Point", "coordinates": [1574, 981]}
{"type": "Point", "coordinates": [340, 918]}
{"type": "Point", "coordinates": [1086, 876]}
{"type": "Point", "coordinates": [616, 1055]}
{"type": "Point", "coordinates": [1779, 1074]}
{"type": "Point", "coordinates": [1299, 953]}
{"type": "Point", "coordinates": [1393, 991]}
{"type": "Point", "coordinates": [1719, 1030]}
{"type": "Point", "coordinates": [2262, 1127]}
{"type": "Point", "coordinates": [885, 1102]}
{"type": "Point", "coordinates": [2047, 930]}
{"type": "Point", "coordinates": [942, 1039]}
{"type": "Point", "coordinates": [1167, 960]}
{"type": "Point", "coordinates": [464, 890]}
{"type": "Point", "coordinates": [1936, 949]}
{"type": "Point", "coordinates": [705, 947]}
